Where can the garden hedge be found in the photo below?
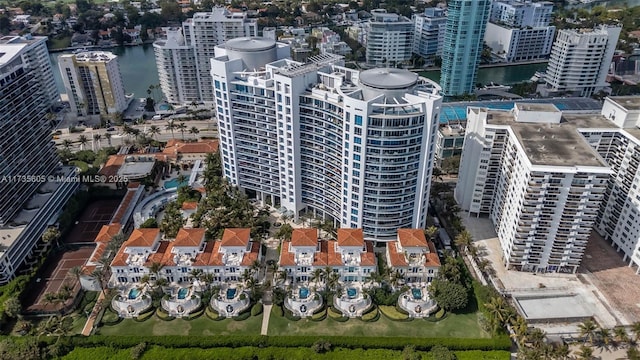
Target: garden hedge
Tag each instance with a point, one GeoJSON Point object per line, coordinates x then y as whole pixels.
{"type": "Point", "coordinates": [392, 314]}
{"type": "Point", "coordinates": [256, 309]}
{"type": "Point", "coordinates": [145, 315]}
{"type": "Point", "coordinates": [163, 315]}
{"type": "Point", "coordinates": [243, 316]}
{"type": "Point", "coordinates": [320, 315]}
{"type": "Point", "coordinates": [205, 342]}
{"type": "Point", "coordinates": [110, 317]}
{"type": "Point", "coordinates": [277, 310]}
{"type": "Point", "coordinates": [195, 313]}
{"type": "Point", "coordinates": [372, 315]}
{"type": "Point", "coordinates": [290, 316]}
{"type": "Point", "coordinates": [212, 314]}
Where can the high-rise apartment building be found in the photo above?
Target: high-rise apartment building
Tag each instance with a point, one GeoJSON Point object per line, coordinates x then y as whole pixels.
{"type": "Point", "coordinates": [531, 171]}
{"type": "Point", "coordinates": [464, 33]}
{"type": "Point", "coordinates": [28, 202]}
{"type": "Point", "coordinates": [35, 55]}
{"type": "Point", "coordinates": [520, 31]}
{"type": "Point", "coordinates": [428, 33]}
{"type": "Point", "coordinates": [93, 82]}
{"type": "Point", "coordinates": [354, 147]}
{"type": "Point", "coordinates": [389, 39]}
{"type": "Point", "coordinates": [580, 60]}
{"type": "Point", "coordinates": [176, 68]}
{"type": "Point", "coordinates": [181, 74]}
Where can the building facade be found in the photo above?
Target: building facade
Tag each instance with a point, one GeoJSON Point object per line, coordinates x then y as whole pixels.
{"type": "Point", "coordinates": [350, 255]}
{"type": "Point", "coordinates": [465, 27]}
{"type": "Point", "coordinates": [531, 172]}
{"type": "Point", "coordinates": [93, 82]}
{"type": "Point", "coordinates": [520, 31]}
{"type": "Point", "coordinates": [580, 61]}
{"type": "Point", "coordinates": [428, 32]}
{"type": "Point", "coordinates": [413, 256]}
{"type": "Point", "coordinates": [183, 58]}
{"type": "Point", "coordinates": [316, 137]}
{"type": "Point", "coordinates": [389, 39]}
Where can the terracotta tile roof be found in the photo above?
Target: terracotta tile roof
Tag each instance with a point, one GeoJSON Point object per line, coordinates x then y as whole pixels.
{"type": "Point", "coordinates": [175, 147]}
{"type": "Point", "coordinates": [287, 258]}
{"type": "Point", "coordinates": [368, 258]}
{"type": "Point", "coordinates": [113, 164]}
{"type": "Point", "coordinates": [107, 232]}
{"type": "Point", "coordinates": [189, 237]}
{"type": "Point", "coordinates": [333, 258]}
{"type": "Point", "coordinates": [121, 258]}
{"type": "Point", "coordinates": [142, 237]}
{"type": "Point", "coordinates": [350, 237]}
{"type": "Point", "coordinates": [320, 257]}
{"type": "Point", "coordinates": [397, 259]}
{"type": "Point", "coordinates": [189, 205]}
{"type": "Point", "coordinates": [432, 258]}
{"type": "Point", "coordinates": [412, 238]}
{"type": "Point", "coordinates": [304, 237]}
{"type": "Point", "coordinates": [250, 257]}
{"type": "Point", "coordinates": [236, 237]}
{"type": "Point", "coordinates": [162, 256]}
{"type": "Point", "coordinates": [211, 255]}
{"type": "Point", "coordinates": [132, 188]}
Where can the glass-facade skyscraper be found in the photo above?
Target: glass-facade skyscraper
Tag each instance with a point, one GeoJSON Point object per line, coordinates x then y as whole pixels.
{"type": "Point", "coordinates": [466, 24]}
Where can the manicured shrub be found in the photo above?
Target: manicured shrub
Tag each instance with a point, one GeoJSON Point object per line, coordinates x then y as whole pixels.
{"type": "Point", "coordinates": [195, 313]}
{"type": "Point", "coordinates": [163, 315]}
{"type": "Point", "coordinates": [144, 316]}
{"type": "Point", "coordinates": [320, 315]}
{"type": "Point", "coordinates": [290, 316]}
{"type": "Point", "coordinates": [212, 314]}
{"type": "Point", "coordinates": [392, 314]}
{"type": "Point", "coordinates": [244, 316]}
{"type": "Point", "coordinates": [371, 315]}
{"type": "Point", "coordinates": [110, 317]}
{"type": "Point", "coordinates": [256, 309]}
{"type": "Point", "coordinates": [440, 314]}
{"type": "Point", "coordinates": [277, 310]}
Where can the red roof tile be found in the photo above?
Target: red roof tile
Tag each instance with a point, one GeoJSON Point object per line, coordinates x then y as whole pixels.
{"type": "Point", "coordinates": [113, 164]}
{"type": "Point", "coordinates": [320, 257]}
{"type": "Point", "coordinates": [162, 256]}
{"type": "Point", "coordinates": [432, 258]}
{"type": "Point", "coordinates": [412, 238]}
{"type": "Point", "coordinates": [250, 257]}
{"type": "Point", "coordinates": [333, 258]}
{"type": "Point", "coordinates": [176, 147]}
{"type": "Point", "coordinates": [397, 259]}
{"type": "Point", "coordinates": [287, 258]}
{"type": "Point", "coordinates": [107, 232]}
{"type": "Point", "coordinates": [368, 258]}
{"type": "Point", "coordinates": [121, 258]}
{"type": "Point", "coordinates": [350, 237]}
{"type": "Point", "coordinates": [132, 188]}
{"type": "Point", "coordinates": [211, 255]}
{"type": "Point", "coordinates": [236, 237]}
{"type": "Point", "coordinates": [142, 237]}
{"type": "Point", "coordinates": [304, 237]}
{"type": "Point", "coordinates": [189, 205]}
{"type": "Point", "coordinates": [189, 237]}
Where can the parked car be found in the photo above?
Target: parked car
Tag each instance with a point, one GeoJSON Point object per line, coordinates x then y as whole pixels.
{"type": "Point", "coordinates": [111, 129]}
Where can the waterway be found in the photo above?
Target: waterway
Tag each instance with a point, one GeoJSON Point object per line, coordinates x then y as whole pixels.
{"type": "Point", "coordinates": [137, 67]}
{"type": "Point", "coordinates": [504, 75]}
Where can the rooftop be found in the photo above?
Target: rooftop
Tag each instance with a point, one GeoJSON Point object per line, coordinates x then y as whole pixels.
{"type": "Point", "coordinates": [236, 237]}
{"type": "Point", "coordinates": [627, 102]}
{"type": "Point", "coordinates": [142, 237]}
{"type": "Point", "coordinates": [95, 56]}
{"type": "Point", "coordinates": [412, 238]}
{"type": "Point", "coordinates": [304, 237]}
{"type": "Point", "coordinates": [388, 78]}
{"type": "Point", "coordinates": [553, 144]}
{"type": "Point", "coordinates": [350, 237]}
{"type": "Point", "coordinates": [250, 44]}
{"type": "Point", "coordinates": [189, 237]}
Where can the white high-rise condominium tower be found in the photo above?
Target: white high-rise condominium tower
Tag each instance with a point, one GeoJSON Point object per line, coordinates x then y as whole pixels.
{"type": "Point", "coordinates": [27, 153]}
{"type": "Point", "coordinates": [318, 138]}
{"type": "Point", "coordinates": [389, 38]}
{"type": "Point", "coordinates": [541, 184]}
{"type": "Point", "coordinates": [94, 84]}
{"type": "Point", "coordinates": [519, 31]}
{"type": "Point", "coordinates": [580, 60]}
{"type": "Point", "coordinates": [428, 33]}
{"type": "Point", "coordinates": [185, 77]}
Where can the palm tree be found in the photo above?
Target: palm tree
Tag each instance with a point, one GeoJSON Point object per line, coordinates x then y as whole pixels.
{"type": "Point", "coordinates": [99, 275]}
{"type": "Point", "coordinates": [182, 127]}
{"type": "Point", "coordinates": [585, 353]}
{"type": "Point", "coordinates": [207, 278]}
{"type": "Point", "coordinates": [246, 275]}
{"type": "Point", "coordinates": [604, 338]}
{"type": "Point", "coordinates": [82, 139]}
{"type": "Point", "coordinates": [76, 272]}
{"type": "Point", "coordinates": [520, 330]}
{"type": "Point", "coordinates": [396, 278]}
{"type": "Point", "coordinates": [587, 330]}
{"type": "Point", "coordinates": [499, 310]}
{"type": "Point", "coordinates": [170, 126]}
{"type": "Point", "coordinates": [66, 143]}
{"type": "Point", "coordinates": [194, 130]}
{"type": "Point", "coordinates": [155, 268]}
{"type": "Point", "coordinates": [620, 335]}
{"type": "Point", "coordinates": [333, 281]}
{"type": "Point", "coordinates": [431, 232]}
{"type": "Point", "coordinates": [317, 276]}
{"type": "Point", "coordinates": [97, 138]}
{"type": "Point", "coordinates": [561, 352]}
{"type": "Point", "coordinates": [108, 137]}
{"type": "Point", "coordinates": [635, 329]}
{"type": "Point", "coordinates": [281, 275]}
{"type": "Point", "coordinates": [181, 179]}
{"type": "Point", "coordinates": [463, 240]}
{"type": "Point", "coordinates": [153, 131]}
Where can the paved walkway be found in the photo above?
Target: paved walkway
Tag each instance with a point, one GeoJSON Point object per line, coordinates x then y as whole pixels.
{"type": "Point", "coordinates": [266, 313]}
{"type": "Point", "coordinates": [88, 326]}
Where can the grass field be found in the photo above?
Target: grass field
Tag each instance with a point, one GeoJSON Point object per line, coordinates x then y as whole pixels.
{"type": "Point", "coordinates": [200, 326]}
{"type": "Point", "coordinates": [454, 326]}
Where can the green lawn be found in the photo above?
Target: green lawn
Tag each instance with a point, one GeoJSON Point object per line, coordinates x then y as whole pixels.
{"type": "Point", "coordinates": [454, 326]}
{"type": "Point", "coordinates": [55, 43]}
{"type": "Point", "coordinates": [200, 326]}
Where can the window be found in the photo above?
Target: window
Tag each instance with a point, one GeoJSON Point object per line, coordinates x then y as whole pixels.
{"type": "Point", "coordinates": [357, 140]}
{"type": "Point", "coordinates": [356, 157]}
{"type": "Point", "coordinates": [358, 120]}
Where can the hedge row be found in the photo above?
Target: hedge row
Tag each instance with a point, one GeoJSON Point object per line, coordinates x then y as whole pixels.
{"type": "Point", "coordinates": [110, 317]}
{"type": "Point", "coordinates": [212, 314]}
{"type": "Point", "coordinates": [393, 314]}
{"type": "Point", "coordinates": [256, 309]}
{"type": "Point", "coordinates": [336, 315]}
{"type": "Point", "coordinates": [163, 315]}
{"type": "Point", "coordinates": [196, 313]}
{"type": "Point", "coordinates": [319, 316]}
{"type": "Point", "coordinates": [372, 315]}
{"type": "Point", "coordinates": [158, 352]}
{"type": "Point", "coordinates": [243, 316]}
{"type": "Point", "coordinates": [204, 342]}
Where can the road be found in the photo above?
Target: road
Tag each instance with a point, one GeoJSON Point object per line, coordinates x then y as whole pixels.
{"type": "Point", "coordinates": [207, 128]}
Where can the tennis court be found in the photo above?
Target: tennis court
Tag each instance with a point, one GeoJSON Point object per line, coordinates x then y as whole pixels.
{"type": "Point", "coordinates": [96, 214]}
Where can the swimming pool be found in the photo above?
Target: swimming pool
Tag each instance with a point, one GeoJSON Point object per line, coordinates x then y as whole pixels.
{"type": "Point", "coordinates": [231, 293]}
{"type": "Point", "coordinates": [182, 293]}
{"type": "Point", "coordinates": [164, 107]}
{"type": "Point", "coordinates": [133, 293]}
{"type": "Point", "coordinates": [417, 293]}
{"type": "Point", "coordinates": [352, 292]}
{"type": "Point", "coordinates": [173, 183]}
{"type": "Point", "coordinates": [303, 293]}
